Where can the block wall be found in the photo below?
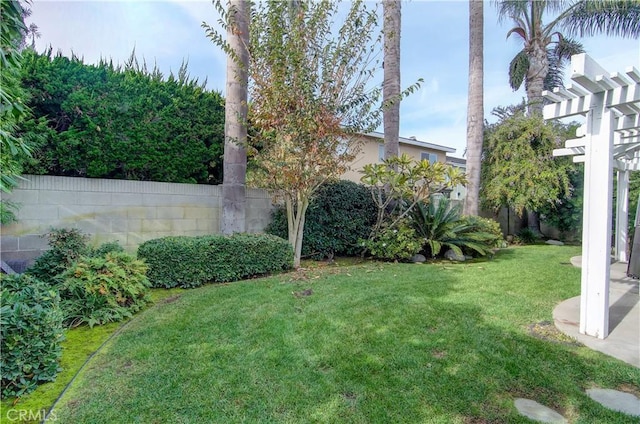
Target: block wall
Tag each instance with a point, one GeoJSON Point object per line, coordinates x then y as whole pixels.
{"type": "Point", "coordinates": [130, 212]}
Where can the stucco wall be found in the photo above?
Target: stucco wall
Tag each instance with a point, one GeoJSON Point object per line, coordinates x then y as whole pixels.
{"type": "Point", "coordinates": [130, 212]}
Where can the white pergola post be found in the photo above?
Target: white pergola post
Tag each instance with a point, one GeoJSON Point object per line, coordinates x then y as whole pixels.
{"type": "Point", "coordinates": [622, 216]}
{"type": "Point", "coordinates": [597, 220]}
{"type": "Point", "coordinates": [609, 140]}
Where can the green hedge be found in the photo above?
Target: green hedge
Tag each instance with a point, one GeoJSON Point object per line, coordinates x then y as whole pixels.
{"type": "Point", "coordinates": [187, 262]}
{"type": "Point", "coordinates": [30, 334]}
{"type": "Point", "coordinates": [340, 215]}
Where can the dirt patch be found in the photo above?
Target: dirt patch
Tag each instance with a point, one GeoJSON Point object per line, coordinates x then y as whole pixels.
{"type": "Point", "coordinates": [171, 299]}
{"type": "Point", "coordinates": [545, 330]}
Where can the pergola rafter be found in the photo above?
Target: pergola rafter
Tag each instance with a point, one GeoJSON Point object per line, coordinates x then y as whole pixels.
{"type": "Point", "coordinates": [610, 139]}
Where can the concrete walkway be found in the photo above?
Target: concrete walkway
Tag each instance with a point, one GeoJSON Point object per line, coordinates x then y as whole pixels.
{"type": "Point", "coordinates": [623, 341]}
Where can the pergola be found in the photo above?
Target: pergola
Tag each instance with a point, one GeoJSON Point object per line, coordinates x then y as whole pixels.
{"type": "Point", "coordinates": [610, 139]}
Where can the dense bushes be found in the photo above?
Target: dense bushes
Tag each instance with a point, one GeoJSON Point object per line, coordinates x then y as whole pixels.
{"type": "Point", "coordinates": [31, 332]}
{"type": "Point", "coordinates": [98, 290]}
{"type": "Point", "coordinates": [192, 261]}
{"type": "Point", "coordinates": [67, 245]}
{"type": "Point", "coordinates": [341, 214]}
{"type": "Point", "coordinates": [126, 122]}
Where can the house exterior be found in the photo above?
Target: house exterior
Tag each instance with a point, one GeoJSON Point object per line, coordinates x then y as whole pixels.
{"type": "Point", "coordinates": [372, 151]}
{"type": "Point", "coordinates": [459, 192]}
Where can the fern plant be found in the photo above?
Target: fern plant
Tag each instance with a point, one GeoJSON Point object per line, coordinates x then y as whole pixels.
{"type": "Point", "coordinates": [441, 225]}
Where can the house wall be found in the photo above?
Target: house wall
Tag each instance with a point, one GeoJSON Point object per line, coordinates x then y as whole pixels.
{"type": "Point", "coordinates": [130, 212]}
{"type": "Point", "coordinates": [369, 154]}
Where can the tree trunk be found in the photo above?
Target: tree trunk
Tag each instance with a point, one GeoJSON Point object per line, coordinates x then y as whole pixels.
{"type": "Point", "coordinates": [537, 72]}
{"type": "Point", "coordinates": [475, 106]}
{"type": "Point", "coordinates": [533, 222]}
{"type": "Point", "coordinates": [296, 214]}
{"type": "Point", "coordinates": [391, 83]}
{"type": "Point", "coordinates": [235, 128]}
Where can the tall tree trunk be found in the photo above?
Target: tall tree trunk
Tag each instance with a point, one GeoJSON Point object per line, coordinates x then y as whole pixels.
{"type": "Point", "coordinates": [391, 83]}
{"type": "Point", "coordinates": [475, 106]}
{"type": "Point", "coordinates": [235, 126]}
{"type": "Point", "coordinates": [537, 72]}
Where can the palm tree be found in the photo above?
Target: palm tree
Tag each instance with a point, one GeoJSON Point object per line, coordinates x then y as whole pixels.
{"type": "Point", "coordinates": [391, 83]}
{"type": "Point", "coordinates": [543, 45]}
{"type": "Point", "coordinates": [545, 50]}
{"type": "Point", "coordinates": [475, 106]}
{"type": "Point", "coordinates": [235, 128]}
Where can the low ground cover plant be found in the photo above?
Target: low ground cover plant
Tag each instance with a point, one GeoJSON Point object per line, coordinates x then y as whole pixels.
{"type": "Point", "coordinates": [189, 262]}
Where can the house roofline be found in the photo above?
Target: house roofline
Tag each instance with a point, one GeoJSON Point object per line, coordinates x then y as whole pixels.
{"type": "Point", "coordinates": [412, 142]}
{"type": "Point", "coordinates": [456, 161]}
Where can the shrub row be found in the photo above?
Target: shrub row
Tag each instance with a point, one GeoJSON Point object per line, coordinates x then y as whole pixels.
{"type": "Point", "coordinates": [31, 331]}
{"type": "Point", "coordinates": [182, 261]}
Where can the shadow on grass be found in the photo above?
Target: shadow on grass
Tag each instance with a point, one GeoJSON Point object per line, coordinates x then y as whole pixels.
{"type": "Point", "coordinates": [385, 345]}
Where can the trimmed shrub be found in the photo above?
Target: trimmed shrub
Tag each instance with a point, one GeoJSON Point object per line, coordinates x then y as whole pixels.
{"type": "Point", "coordinates": [67, 245]}
{"type": "Point", "coordinates": [30, 334]}
{"type": "Point", "coordinates": [98, 290]}
{"type": "Point", "coordinates": [187, 262]}
{"type": "Point", "coordinates": [341, 214]}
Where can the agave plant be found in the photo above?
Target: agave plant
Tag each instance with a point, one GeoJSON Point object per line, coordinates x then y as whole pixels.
{"type": "Point", "coordinates": [441, 225]}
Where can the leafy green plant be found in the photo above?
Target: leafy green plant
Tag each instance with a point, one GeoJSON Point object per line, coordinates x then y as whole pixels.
{"type": "Point", "coordinates": [188, 262]}
{"type": "Point", "coordinates": [107, 247]}
{"type": "Point", "coordinates": [527, 236]}
{"type": "Point", "coordinates": [31, 331]}
{"type": "Point", "coordinates": [440, 225]}
{"type": "Point", "coordinates": [488, 226]}
{"type": "Point", "coordinates": [67, 245]}
{"type": "Point", "coordinates": [398, 243]}
{"type": "Point", "coordinates": [340, 214]}
{"type": "Point", "coordinates": [97, 290]}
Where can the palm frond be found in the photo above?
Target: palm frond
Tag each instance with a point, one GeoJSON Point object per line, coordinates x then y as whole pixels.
{"type": "Point", "coordinates": [610, 17]}
{"type": "Point", "coordinates": [559, 56]}
{"type": "Point", "coordinates": [518, 70]}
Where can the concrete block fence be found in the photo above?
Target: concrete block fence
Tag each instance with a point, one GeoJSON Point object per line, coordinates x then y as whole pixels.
{"type": "Point", "coordinates": [130, 212]}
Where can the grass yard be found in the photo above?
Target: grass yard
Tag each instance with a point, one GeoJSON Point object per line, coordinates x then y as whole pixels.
{"type": "Point", "coordinates": [366, 343]}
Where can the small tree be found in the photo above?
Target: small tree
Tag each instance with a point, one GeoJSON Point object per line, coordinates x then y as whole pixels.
{"type": "Point", "coordinates": [310, 96]}
{"type": "Point", "coordinates": [518, 168]}
{"type": "Point", "coordinates": [399, 183]}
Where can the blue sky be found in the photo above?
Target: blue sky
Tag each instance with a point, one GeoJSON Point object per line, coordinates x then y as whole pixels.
{"type": "Point", "coordinates": [434, 46]}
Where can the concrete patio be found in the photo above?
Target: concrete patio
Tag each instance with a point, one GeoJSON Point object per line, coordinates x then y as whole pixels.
{"type": "Point", "coordinates": [623, 341]}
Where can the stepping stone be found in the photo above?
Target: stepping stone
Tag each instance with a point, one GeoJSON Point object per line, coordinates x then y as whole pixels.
{"type": "Point", "coordinates": [616, 401]}
{"type": "Point", "coordinates": [555, 242]}
{"type": "Point", "coordinates": [538, 412]}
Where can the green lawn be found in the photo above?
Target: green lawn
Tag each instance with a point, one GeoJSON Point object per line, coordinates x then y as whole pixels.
{"type": "Point", "coordinates": [366, 343]}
